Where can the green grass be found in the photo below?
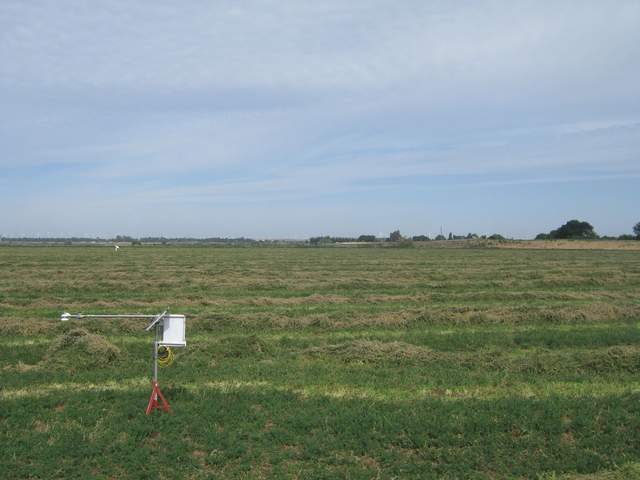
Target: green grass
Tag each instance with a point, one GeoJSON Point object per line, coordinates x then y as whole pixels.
{"type": "Point", "coordinates": [323, 363]}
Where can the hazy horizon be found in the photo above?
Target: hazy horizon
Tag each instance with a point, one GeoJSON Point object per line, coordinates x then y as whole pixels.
{"type": "Point", "coordinates": [298, 119]}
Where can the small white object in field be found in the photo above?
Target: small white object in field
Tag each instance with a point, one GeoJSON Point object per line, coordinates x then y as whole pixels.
{"type": "Point", "coordinates": [64, 317]}
{"type": "Point", "coordinates": [117, 248]}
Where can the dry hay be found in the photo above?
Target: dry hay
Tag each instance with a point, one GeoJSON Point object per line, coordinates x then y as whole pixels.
{"type": "Point", "coordinates": [551, 363]}
{"type": "Point", "coordinates": [572, 244]}
{"type": "Point", "coordinates": [242, 346]}
{"type": "Point", "coordinates": [22, 367]}
{"type": "Point", "coordinates": [30, 326]}
{"type": "Point", "coordinates": [543, 361]}
{"type": "Point", "coordinates": [79, 349]}
{"type": "Point", "coordinates": [10, 326]}
{"type": "Point", "coordinates": [591, 313]}
{"type": "Point", "coordinates": [373, 351]}
{"type": "Point", "coordinates": [310, 300]}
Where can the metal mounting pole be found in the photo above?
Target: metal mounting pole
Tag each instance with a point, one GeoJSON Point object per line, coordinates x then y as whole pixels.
{"type": "Point", "coordinates": [155, 354]}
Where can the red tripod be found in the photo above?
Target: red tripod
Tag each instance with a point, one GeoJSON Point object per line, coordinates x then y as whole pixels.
{"type": "Point", "coordinates": [153, 401]}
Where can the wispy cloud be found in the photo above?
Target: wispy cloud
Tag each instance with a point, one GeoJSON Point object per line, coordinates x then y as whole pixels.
{"type": "Point", "coordinates": [198, 104]}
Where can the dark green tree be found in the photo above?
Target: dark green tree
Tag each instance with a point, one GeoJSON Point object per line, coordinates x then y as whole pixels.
{"type": "Point", "coordinates": [367, 238]}
{"type": "Point", "coordinates": [636, 230]}
{"type": "Point", "coordinates": [574, 229]}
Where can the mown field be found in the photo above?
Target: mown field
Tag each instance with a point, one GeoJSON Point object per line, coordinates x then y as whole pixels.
{"type": "Point", "coordinates": [323, 363]}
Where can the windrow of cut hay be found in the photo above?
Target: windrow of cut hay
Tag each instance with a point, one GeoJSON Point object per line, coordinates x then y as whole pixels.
{"type": "Point", "coordinates": [539, 361]}
{"type": "Point", "coordinates": [372, 351]}
{"type": "Point", "coordinates": [411, 316]}
{"type": "Point", "coordinates": [78, 349]}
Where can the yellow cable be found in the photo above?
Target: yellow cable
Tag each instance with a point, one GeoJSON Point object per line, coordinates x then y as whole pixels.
{"type": "Point", "coordinates": [165, 356]}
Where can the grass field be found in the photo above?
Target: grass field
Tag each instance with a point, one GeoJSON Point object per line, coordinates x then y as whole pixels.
{"type": "Point", "coordinates": [323, 363]}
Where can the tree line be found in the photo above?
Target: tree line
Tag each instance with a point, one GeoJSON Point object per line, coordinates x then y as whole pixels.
{"type": "Point", "coordinates": [573, 229]}
{"type": "Point", "coordinates": [576, 229]}
{"type": "Point", "coordinates": [396, 236]}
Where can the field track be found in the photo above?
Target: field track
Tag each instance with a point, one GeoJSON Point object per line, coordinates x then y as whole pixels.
{"type": "Point", "coordinates": [323, 363]}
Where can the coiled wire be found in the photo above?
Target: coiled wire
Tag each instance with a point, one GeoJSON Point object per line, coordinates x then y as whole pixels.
{"type": "Point", "coordinates": [165, 356]}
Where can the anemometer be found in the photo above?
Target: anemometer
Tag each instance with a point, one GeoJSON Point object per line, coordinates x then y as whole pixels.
{"type": "Point", "coordinates": [169, 332]}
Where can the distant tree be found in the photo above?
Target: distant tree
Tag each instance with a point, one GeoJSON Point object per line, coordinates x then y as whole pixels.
{"type": "Point", "coordinates": [320, 240]}
{"type": "Point", "coordinates": [420, 238]}
{"type": "Point", "coordinates": [367, 238]}
{"type": "Point", "coordinates": [496, 236]}
{"type": "Point", "coordinates": [395, 236]}
{"type": "Point", "coordinates": [450, 236]}
{"type": "Point", "coordinates": [124, 238]}
{"type": "Point", "coordinates": [636, 230]}
{"type": "Point", "coordinates": [471, 236]}
{"type": "Point", "coordinates": [543, 236]}
{"type": "Point", "coordinates": [326, 239]}
{"type": "Point", "coordinates": [342, 239]}
{"type": "Point", "coordinates": [626, 236]}
{"type": "Point", "coordinates": [574, 229]}
{"type": "Point", "coordinates": [440, 237]}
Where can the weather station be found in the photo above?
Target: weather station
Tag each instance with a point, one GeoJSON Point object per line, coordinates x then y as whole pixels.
{"type": "Point", "coordinates": [169, 330]}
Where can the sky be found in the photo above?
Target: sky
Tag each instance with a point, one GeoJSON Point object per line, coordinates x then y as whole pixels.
{"type": "Point", "coordinates": [293, 118]}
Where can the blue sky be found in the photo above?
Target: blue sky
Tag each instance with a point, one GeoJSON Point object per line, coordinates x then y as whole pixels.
{"type": "Point", "coordinates": [294, 118]}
